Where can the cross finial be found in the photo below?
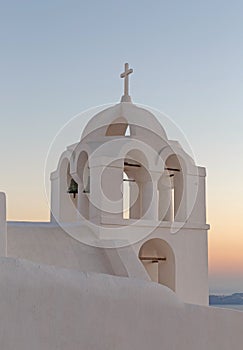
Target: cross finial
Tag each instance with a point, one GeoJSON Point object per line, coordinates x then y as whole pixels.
{"type": "Point", "coordinates": [125, 75]}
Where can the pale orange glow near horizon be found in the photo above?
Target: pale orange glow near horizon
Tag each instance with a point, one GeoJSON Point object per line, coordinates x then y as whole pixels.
{"type": "Point", "coordinates": [225, 243]}
{"type": "Point", "coordinates": [27, 205]}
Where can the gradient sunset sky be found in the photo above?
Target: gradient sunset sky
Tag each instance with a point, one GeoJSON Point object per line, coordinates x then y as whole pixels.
{"type": "Point", "coordinates": [59, 58]}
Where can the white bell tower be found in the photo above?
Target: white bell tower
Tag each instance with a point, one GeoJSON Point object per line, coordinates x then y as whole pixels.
{"type": "Point", "coordinates": [128, 179]}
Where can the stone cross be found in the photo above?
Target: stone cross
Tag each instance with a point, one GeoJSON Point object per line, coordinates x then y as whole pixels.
{"type": "Point", "coordinates": [125, 75]}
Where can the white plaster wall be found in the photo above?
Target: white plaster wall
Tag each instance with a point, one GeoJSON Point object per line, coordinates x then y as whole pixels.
{"type": "Point", "coordinates": [47, 308]}
{"type": "Point", "coordinates": [3, 225]}
{"type": "Point", "coordinates": [191, 261]}
{"type": "Point", "coordinates": [49, 244]}
{"type": "Point", "coordinates": [192, 266]}
{"type": "Point", "coordinates": [197, 203]}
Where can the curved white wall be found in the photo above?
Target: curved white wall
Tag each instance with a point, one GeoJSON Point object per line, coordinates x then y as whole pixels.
{"type": "Point", "coordinates": [47, 308]}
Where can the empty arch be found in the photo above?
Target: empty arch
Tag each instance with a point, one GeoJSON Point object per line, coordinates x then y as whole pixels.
{"type": "Point", "coordinates": [158, 259]}
{"type": "Point", "coordinates": [171, 190]}
{"type": "Point", "coordinates": [136, 177]}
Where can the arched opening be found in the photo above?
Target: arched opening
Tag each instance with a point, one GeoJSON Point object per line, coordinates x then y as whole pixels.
{"type": "Point", "coordinates": [158, 259]}
{"type": "Point", "coordinates": [65, 204]}
{"type": "Point", "coordinates": [136, 198]}
{"type": "Point", "coordinates": [118, 127]}
{"type": "Point", "coordinates": [171, 188]}
{"type": "Point", "coordinates": [71, 184]}
{"type": "Point", "coordinates": [84, 185]}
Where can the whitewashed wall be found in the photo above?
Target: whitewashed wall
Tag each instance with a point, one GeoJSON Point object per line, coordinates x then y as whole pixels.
{"type": "Point", "coordinates": [47, 308]}
{"type": "Point", "coordinates": [3, 225]}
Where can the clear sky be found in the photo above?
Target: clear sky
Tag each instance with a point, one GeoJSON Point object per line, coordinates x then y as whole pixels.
{"type": "Point", "coordinates": [61, 57]}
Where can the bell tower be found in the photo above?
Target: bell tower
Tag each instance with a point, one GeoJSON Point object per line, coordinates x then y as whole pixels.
{"type": "Point", "coordinates": [131, 185]}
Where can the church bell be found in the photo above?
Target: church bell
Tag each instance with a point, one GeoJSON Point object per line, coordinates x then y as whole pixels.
{"type": "Point", "coordinates": [73, 188]}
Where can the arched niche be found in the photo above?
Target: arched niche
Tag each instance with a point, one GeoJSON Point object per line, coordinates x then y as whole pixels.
{"type": "Point", "coordinates": [67, 201]}
{"type": "Point", "coordinates": [135, 185]}
{"type": "Point", "coordinates": [119, 127]}
{"type": "Point", "coordinates": [171, 190]}
{"type": "Point", "coordinates": [83, 171]}
{"type": "Point", "coordinates": [158, 259]}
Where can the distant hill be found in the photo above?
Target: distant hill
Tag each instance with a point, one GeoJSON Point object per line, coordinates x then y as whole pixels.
{"type": "Point", "coordinates": [233, 299]}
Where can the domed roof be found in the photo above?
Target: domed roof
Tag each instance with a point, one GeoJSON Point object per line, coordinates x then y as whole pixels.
{"type": "Point", "coordinates": [126, 114]}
